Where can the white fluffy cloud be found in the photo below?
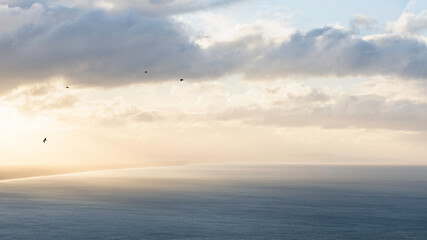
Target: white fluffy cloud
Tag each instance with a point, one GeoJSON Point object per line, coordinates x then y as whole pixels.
{"type": "Point", "coordinates": [409, 23]}
{"type": "Point", "coordinates": [211, 28]}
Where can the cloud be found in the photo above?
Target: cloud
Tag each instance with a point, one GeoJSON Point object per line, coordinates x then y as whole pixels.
{"type": "Point", "coordinates": [297, 105]}
{"type": "Point", "coordinates": [40, 98]}
{"type": "Point", "coordinates": [14, 17]}
{"type": "Point", "coordinates": [146, 7]}
{"type": "Point", "coordinates": [102, 49]}
{"type": "Point", "coordinates": [93, 47]}
{"type": "Point", "coordinates": [409, 23]}
{"type": "Point", "coordinates": [274, 105]}
{"type": "Point", "coordinates": [59, 106]}
{"type": "Point", "coordinates": [116, 113]}
{"type": "Point", "coordinates": [335, 52]}
{"type": "Point", "coordinates": [211, 28]}
{"type": "Point", "coordinates": [363, 112]}
{"type": "Point", "coordinates": [396, 89]}
{"type": "Point", "coordinates": [362, 21]}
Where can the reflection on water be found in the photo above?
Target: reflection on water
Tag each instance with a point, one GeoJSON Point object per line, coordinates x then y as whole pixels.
{"type": "Point", "coordinates": [220, 202]}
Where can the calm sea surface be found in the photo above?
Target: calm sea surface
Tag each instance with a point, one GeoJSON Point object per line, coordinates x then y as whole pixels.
{"type": "Point", "coordinates": [220, 202]}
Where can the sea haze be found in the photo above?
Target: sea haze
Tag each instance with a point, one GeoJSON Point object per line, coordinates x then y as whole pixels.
{"type": "Point", "coordinates": [220, 202]}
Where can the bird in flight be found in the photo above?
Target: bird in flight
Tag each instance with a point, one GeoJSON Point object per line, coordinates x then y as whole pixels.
{"type": "Point", "coordinates": [44, 140]}
{"type": "Point", "coordinates": [182, 79]}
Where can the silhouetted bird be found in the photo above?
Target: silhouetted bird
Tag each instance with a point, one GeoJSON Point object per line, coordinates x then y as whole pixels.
{"type": "Point", "coordinates": [44, 140]}
{"type": "Point", "coordinates": [182, 79]}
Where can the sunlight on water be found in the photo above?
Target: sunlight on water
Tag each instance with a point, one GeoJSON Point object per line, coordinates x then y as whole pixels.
{"type": "Point", "coordinates": [219, 201]}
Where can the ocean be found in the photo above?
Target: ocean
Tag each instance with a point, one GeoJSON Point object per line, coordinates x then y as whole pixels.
{"type": "Point", "coordinates": [229, 201]}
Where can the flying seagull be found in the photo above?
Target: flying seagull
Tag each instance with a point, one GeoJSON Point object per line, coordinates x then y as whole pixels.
{"type": "Point", "coordinates": [44, 140]}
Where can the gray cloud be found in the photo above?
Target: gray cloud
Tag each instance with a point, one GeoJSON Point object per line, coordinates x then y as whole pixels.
{"type": "Point", "coordinates": [146, 7]}
{"type": "Point", "coordinates": [104, 49]}
{"type": "Point", "coordinates": [334, 52]}
{"type": "Point", "coordinates": [98, 48]}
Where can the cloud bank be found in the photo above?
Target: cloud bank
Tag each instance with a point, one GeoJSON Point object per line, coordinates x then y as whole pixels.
{"type": "Point", "coordinates": [287, 105]}
{"type": "Point", "coordinates": [94, 47]}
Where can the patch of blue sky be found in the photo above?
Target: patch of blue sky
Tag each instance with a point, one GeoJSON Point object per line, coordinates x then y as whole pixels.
{"type": "Point", "coordinates": [313, 13]}
{"type": "Point", "coordinates": [309, 14]}
{"type": "Point", "coordinates": [416, 6]}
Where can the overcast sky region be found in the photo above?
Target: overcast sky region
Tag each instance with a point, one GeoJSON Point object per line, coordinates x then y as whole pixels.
{"type": "Point", "coordinates": [264, 81]}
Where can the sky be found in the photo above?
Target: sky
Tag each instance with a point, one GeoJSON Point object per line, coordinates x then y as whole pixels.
{"type": "Point", "coordinates": [308, 81]}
